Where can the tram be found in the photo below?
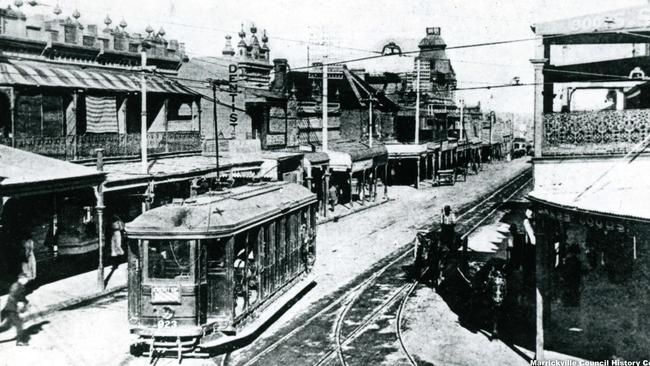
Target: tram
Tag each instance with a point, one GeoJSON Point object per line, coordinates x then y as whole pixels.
{"type": "Point", "coordinates": [204, 268]}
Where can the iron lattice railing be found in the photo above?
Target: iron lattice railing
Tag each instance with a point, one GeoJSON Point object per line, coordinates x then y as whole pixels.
{"type": "Point", "coordinates": [79, 147]}
{"type": "Point", "coordinates": [594, 132]}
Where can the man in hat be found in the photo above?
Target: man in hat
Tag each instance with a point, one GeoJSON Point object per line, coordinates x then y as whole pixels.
{"type": "Point", "coordinates": [16, 304]}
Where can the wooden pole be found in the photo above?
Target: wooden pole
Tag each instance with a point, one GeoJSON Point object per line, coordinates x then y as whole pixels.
{"type": "Point", "coordinates": [143, 116]}
{"type": "Point", "coordinates": [325, 128]}
{"type": "Point", "coordinates": [417, 103]}
{"type": "Point", "coordinates": [99, 196]}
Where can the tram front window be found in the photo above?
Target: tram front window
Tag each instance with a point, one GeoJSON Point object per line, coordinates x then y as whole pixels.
{"type": "Point", "coordinates": [169, 259]}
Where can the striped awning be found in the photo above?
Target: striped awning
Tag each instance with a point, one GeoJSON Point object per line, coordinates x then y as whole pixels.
{"type": "Point", "coordinates": [71, 76]}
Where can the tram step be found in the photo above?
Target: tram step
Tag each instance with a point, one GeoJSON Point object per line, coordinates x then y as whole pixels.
{"type": "Point", "coordinates": [172, 344]}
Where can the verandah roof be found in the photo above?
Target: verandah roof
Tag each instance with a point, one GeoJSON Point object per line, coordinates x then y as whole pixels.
{"type": "Point", "coordinates": [71, 76]}
{"type": "Point", "coordinates": [27, 173]}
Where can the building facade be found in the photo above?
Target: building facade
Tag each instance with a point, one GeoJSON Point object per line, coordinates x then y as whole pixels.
{"type": "Point", "coordinates": [591, 186]}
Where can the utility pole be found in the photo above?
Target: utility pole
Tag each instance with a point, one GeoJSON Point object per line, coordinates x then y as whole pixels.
{"type": "Point", "coordinates": [370, 101]}
{"type": "Point", "coordinates": [417, 103]}
{"type": "Point", "coordinates": [325, 129]}
{"type": "Point", "coordinates": [143, 116]}
{"type": "Point", "coordinates": [216, 131]}
{"type": "Point", "coordinates": [462, 120]}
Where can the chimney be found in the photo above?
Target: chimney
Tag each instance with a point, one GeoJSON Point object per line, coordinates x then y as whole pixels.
{"type": "Point", "coordinates": [280, 79]}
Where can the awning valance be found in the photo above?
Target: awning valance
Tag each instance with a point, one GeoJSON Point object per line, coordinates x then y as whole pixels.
{"type": "Point", "coordinates": [356, 156]}
{"type": "Point", "coordinates": [397, 151]}
{"type": "Point", "coordinates": [71, 76]}
{"type": "Point", "coordinates": [27, 173]}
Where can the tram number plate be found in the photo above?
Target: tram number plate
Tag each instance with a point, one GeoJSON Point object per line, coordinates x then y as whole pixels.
{"type": "Point", "coordinates": [166, 295]}
{"type": "Point", "coordinates": [167, 323]}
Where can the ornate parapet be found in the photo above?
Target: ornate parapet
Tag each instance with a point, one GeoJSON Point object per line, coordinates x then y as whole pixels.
{"type": "Point", "coordinates": [594, 133]}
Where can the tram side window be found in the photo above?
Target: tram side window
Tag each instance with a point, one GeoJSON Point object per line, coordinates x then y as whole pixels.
{"type": "Point", "coordinates": [241, 274]}
{"type": "Point", "coordinates": [216, 255]}
{"type": "Point", "coordinates": [169, 259]}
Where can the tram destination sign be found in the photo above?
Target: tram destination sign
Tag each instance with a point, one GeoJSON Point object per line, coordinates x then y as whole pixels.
{"type": "Point", "coordinates": [165, 295]}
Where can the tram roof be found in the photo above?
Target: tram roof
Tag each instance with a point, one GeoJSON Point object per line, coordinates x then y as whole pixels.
{"type": "Point", "coordinates": [220, 213]}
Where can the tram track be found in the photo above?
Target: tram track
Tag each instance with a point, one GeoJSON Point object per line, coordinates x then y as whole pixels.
{"type": "Point", "coordinates": [356, 314]}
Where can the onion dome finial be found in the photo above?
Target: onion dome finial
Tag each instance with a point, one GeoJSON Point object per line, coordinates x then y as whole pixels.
{"type": "Point", "coordinates": [57, 10]}
{"type": "Point", "coordinates": [123, 24]}
{"type": "Point", "coordinates": [76, 14]}
{"type": "Point", "coordinates": [242, 34]}
{"type": "Point", "coordinates": [161, 32]}
{"type": "Point", "coordinates": [108, 20]}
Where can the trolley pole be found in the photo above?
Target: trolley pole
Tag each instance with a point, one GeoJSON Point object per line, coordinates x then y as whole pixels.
{"type": "Point", "coordinates": [325, 129]}
{"type": "Point", "coordinates": [417, 103]}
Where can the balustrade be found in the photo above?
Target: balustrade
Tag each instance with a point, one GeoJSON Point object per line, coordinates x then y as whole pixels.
{"type": "Point", "coordinates": [594, 132]}
{"type": "Point", "coordinates": [83, 146]}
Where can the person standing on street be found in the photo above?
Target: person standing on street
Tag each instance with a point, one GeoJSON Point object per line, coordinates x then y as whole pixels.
{"type": "Point", "coordinates": [333, 196]}
{"type": "Point", "coordinates": [448, 227]}
{"type": "Point", "coordinates": [28, 265]}
{"type": "Point", "coordinates": [529, 248]}
{"type": "Point", "coordinates": [16, 304]}
{"type": "Point", "coordinates": [117, 227]}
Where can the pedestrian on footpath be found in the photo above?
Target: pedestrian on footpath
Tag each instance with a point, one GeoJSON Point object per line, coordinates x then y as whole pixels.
{"type": "Point", "coordinates": [333, 196]}
{"type": "Point", "coordinates": [16, 304]}
{"type": "Point", "coordinates": [28, 265]}
{"type": "Point", "coordinates": [116, 241]}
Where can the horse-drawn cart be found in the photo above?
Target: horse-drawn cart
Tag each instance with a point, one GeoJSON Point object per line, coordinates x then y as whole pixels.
{"type": "Point", "coordinates": [446, 176]}
{"type": "Point", "coordinates": [474, 289]}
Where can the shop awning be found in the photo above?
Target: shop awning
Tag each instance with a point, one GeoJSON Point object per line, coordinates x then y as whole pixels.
{"type": "Point", "coordinates": [40, 74]}
{"type": "Point", "coordinates": [317, 158]}
{"type": "Point", "coordinates": [26, 173]}
{"type": "Point", "coordinates": [622, 190]}
{"type": "Point", "coordinates": [400, 151]}
{"type": "Point", "coordinates": [356, 156]}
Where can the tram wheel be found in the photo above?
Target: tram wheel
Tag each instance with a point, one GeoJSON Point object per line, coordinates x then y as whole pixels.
{"type": "Point", "coordinates": [136, 349]}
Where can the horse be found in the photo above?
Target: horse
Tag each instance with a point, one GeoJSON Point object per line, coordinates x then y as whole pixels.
{"type": "Point", "coordinates": [489, 288]}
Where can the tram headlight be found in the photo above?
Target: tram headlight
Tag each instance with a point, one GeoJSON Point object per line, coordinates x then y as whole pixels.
{"type": "Point", "coordinates": [167, 313]}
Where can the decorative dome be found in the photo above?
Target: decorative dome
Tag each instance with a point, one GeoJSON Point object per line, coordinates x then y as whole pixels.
{"type": "Point", "coordinates": [253, 28]}
{"type": "Point", "coordinates": [433, 40]}
{"type": "Point", "coordinates": [57, 10]}
{"type": "Point", "coordinates": [18, 3]}
{"type": "Point", "coordinates": [108, 20]}
{"type": "Point", "coordinates": [149, 29]}
{"type": "Point", "coordinates": [264, 37]}
{"type": "Point", "coordinates": [161, 32]}
{"type": "Point", "coordinates": [32, 2]}
{"type": "Point", "coordinates": [123, 24]}
{"type": "Point", "coordinates": [76, 14]}
{"type": "Point", "coordinates": [242, 34]}
{"type": "Point", "coordinates": [227, 49]}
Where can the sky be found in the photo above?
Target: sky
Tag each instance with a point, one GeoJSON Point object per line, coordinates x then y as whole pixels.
{"type": "Point", "coordinates": [347, 29]}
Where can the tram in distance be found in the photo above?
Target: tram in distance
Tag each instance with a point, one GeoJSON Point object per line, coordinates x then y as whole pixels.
{"type": "Point", "coordinates": [203, 269]}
